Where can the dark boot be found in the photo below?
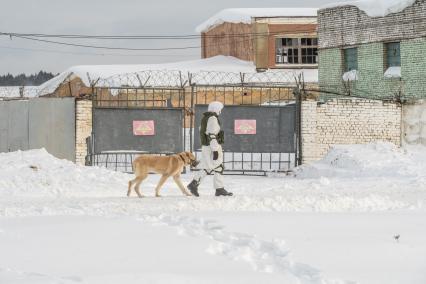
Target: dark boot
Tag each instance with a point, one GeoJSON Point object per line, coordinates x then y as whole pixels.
{"type": "Point", "coordinates": [193, 188]}
{"type": "Point", "coordinates": [222, 192]}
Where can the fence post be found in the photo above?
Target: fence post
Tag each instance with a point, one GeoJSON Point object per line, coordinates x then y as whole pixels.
{"type": "Point", "coordinates": [191, 113]}
{"type": "Point", "coordinates": [298, 95]}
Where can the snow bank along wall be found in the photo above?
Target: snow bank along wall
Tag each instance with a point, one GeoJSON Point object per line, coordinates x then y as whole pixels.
{"type": "Point", "coordinates": [347, 121]}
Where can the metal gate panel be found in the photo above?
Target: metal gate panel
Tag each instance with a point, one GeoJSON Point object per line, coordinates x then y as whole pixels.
{"type": "Point", "coordinates": [52, 126]}
{"type": "Point", "coordinates": [275, 128]}
{"type": "Point", "coordinates": [13, 125]}
{"type": "Point", "coordinates": [113, 130]}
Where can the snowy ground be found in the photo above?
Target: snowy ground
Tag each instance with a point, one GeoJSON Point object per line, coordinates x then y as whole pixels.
{"type": "Point", "coordinates": [332, 222]}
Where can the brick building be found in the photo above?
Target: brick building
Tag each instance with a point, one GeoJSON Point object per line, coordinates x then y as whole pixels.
{"type": "Point", "coordinates": [373, 52]}
{"type": "Point", "coordinates": [271, 38]}
{"type": "Point", "coordinates": [376, 51]}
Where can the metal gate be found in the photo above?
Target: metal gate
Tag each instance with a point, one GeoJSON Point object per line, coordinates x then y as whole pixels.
{"type": "Point", "coordinates": [131, 121]}
{"type": "Point", "coordinates": [260, 124]}
{"type": "Point", "coordinates": [261, 120]}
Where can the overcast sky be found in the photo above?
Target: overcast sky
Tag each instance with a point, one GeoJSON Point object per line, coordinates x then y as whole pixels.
{"type": "Point", "coordinates": [107, 17]}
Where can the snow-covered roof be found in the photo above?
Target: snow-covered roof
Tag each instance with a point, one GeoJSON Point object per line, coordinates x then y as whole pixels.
{"type": "Point", "coordinates": [375, 8]}
{"type": "Point", "coordinates": [95, 72]}
{"type": "Point", "coordinates": [245, 15]}
{"type": "Point", "coordinates": [215, 70]}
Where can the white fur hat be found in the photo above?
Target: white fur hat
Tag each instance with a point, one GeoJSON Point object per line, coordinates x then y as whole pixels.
{"type": "Point", "coordinates": [215, 107]}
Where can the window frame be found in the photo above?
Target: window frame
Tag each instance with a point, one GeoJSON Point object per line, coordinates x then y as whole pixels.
{"type": "Point", "coordinates": [388, 62]}
{"type": "Point", "coordinates": [345, 53]}
{"type": "Point", "coordinates": [297, 51]}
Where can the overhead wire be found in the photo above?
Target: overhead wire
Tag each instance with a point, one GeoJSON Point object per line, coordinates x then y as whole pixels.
{"type": "Point", "coordinates": [246, 37]}
{"type": "Point", "coordinates": [90, 53]}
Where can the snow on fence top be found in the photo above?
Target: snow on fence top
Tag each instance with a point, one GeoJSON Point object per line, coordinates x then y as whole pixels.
{"type": "Point", "coordinates": [376, 8]}
{"type": "Point", "coordinates": [218, 70]}
{"type": "Point", "coordinates": [245, 15]}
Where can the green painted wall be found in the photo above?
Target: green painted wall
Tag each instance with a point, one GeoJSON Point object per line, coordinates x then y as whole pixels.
{"type": "Point", "coordinates": [371, 82]}
{"type": "Point", "coordinates": [413, 64]}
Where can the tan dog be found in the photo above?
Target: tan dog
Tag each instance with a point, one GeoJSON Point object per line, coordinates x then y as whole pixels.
{"type": "Point", "coordinates": [167, 166]}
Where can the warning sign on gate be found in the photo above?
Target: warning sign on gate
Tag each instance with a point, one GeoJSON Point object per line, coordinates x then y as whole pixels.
{"type": "Point", "coordinates": [143, 127]}
{"type": "Point", "coordinates": [245, 127]}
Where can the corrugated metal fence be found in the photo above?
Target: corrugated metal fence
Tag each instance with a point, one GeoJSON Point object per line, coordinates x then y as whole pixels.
{"type": "Point", "coordinates": [39, 123]}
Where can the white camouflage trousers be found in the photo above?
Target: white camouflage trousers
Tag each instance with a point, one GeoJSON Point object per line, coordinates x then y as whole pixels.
{"type": "Point", "coordinates": [209, 166]}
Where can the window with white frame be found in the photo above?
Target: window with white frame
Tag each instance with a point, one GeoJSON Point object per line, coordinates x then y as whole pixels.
{"type": "Point", "coordinates": [296, 51]}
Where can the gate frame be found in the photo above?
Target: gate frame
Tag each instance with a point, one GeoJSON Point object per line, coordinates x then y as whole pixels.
{"type": "Point", "coordinates": [191, 89]}
{"type": "Point", "coordinates": [297, 100]}
{"type": "Point", "coordinates": [93, 157]}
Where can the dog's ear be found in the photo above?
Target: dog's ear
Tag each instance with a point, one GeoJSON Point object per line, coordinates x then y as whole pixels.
{"type": "Point", "coordinates": [190, 156]}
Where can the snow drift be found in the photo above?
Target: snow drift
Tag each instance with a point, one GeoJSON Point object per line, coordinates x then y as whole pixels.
{"type": "Point", "coordinates": [38, 173]}
{"type": "Point", "coordinates": [381, 159]}
{"type": "Point", "coordinates": [362, 178]}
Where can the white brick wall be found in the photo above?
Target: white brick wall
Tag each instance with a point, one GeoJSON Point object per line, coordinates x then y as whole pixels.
{"type": "Point", "coordinates": [83, 128]}
{"type": "Point", "coordinates": [347, 121]}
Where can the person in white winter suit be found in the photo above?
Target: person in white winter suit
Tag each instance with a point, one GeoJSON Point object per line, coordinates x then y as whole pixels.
{"type": "Point", "coordinates": [212, 138]}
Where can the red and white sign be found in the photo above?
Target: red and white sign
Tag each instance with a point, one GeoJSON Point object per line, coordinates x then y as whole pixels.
{"type": "Point", "coordinates": [143, 127]}
{"type": "Point", "coordinates": [245, 127]}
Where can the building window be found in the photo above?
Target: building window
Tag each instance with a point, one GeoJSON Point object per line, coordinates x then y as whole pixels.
{"type": "Point", "coordinates": [350, 59]}
{"type": "Point", "coordinates": [393, 54]}
{"type": "Point", "coordinates": [296, 51]}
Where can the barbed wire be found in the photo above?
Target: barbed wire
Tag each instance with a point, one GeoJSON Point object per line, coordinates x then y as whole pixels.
{"type": "Point", "coordinates": [18, 92]}
{"type": "Point", "coordinates": [369, 84]}
{"type": "Point", "coordinates": [179, 79]}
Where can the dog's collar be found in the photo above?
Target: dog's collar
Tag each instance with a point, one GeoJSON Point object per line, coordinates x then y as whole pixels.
{"type": "Point", "coordinates": [181, 158]}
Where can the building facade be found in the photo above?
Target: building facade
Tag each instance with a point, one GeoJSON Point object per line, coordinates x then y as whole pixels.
{"type": "Point", "coordinates": [373, 57]}
{"type": "Point", "coordinates": [271, 38]}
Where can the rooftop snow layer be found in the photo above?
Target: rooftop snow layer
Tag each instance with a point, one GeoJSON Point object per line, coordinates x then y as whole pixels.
{"type": "Point", "coordinates": [218, 63]}
{"type": "Point", "coordinates": [376, 8]}
{"type": "Point", "coordinates": [245, 15]}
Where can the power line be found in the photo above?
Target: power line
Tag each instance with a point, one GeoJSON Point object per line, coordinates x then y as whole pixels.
{"type": "Point", "coordinates": [91, 53]}
{"type": "Point", "coordinates": [132, 37]}
{"type": "Point", "coordinates": [247, 37]}
{"type": "Point", "coordinates": [108, 47]}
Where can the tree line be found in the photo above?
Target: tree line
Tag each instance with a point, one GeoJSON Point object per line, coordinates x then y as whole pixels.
{"type": "Point", "coordinates": [24, 80]}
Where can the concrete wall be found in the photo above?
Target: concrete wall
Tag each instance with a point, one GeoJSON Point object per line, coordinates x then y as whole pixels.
{"type": "Point", "coordinates": [347, 121]}
{"type": "Point", "coordinates": [414, 124]}
{"type": "Point", "coordinates": [39, 123]}
{"type": "Point", "coordinates": [83, 129]}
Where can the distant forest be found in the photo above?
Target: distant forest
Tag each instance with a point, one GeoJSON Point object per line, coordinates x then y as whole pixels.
{"type": "Point", "coordinates": [24, 80]}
